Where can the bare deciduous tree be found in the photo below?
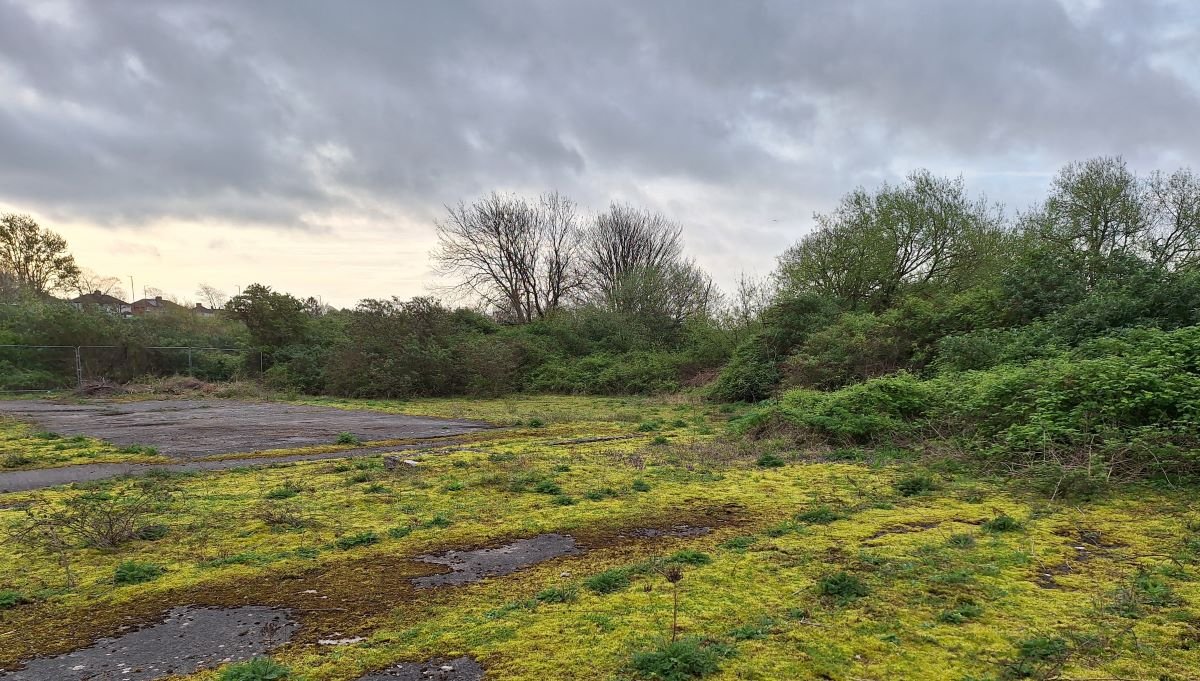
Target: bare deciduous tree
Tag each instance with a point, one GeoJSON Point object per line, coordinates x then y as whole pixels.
{"type": "Point", "coordinates": [625, 239]}
{"type": "Point", "coordinates": [89, 281]}
{"type": "Point", "coordinates": [518, 258]}
{"type": "Point", "coordinates": [1174, 239]}
{"type": "Point", "coordinates": [212, 296]}
{"type": "Point", "coordinates": [34, 257]}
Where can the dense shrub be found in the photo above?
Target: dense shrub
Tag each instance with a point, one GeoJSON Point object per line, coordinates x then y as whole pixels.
{"type": "Point", "coordinates": [1128, 403]}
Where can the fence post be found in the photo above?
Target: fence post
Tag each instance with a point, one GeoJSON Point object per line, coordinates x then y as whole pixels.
{"type": "Point", "coordinates": [78, 367]}
{"type": "Point", "coordinates": [189, 360]}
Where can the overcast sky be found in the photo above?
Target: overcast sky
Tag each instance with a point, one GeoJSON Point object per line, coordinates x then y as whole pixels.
{"type": "Point", "coordinates": [311, 145]}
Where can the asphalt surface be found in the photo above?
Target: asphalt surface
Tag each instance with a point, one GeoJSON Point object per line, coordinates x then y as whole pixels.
{"type": "Point", "coordinates": [472, 566]}
{"type": "Point", "coordinates": [189, 429]}
{"type": "Point", "coordinates": [188, 640]}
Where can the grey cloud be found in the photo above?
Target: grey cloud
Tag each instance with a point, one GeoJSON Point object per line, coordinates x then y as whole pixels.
{"type": "Point", "coordinates": [290, 113]}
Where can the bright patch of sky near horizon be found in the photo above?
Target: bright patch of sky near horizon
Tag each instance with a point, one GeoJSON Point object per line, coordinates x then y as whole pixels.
{"type": "Point", "coordinates": [310, 145]}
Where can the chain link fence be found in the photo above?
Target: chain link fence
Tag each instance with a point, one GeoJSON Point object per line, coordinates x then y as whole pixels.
{"type": "Point", "coordinates": [42, 368]}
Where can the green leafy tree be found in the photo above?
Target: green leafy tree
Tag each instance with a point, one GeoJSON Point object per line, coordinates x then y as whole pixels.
{"type": "Point", "coordinates": [274, 319]}
{"type": "Point", "coordinates": [877, 246]}
{"type": "Point", "coordinates": [34, 258]}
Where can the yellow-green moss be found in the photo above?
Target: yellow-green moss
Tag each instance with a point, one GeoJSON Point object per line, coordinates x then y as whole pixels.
{"type": "Point", "coordinates": [1035, 581]}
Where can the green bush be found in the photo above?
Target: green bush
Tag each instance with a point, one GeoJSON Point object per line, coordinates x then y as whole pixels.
{"type": "Point", "coordinates": [609, 581]}
{"type": "Point", "coordinates": [134, 572]}
{"type": "Point", "coordinates": [770, 460]}
{"type": "Point", "coordinates": [842, 587]}
{"type": "Point", "coordinates": [689, 557]}
{"type": "Point", "coordinates": [822, 515]}
{"type": "Point", "coordinates": [912, 485]}
{"type": "Point", "coordinates": [1002, 523]}
{"type": "Point", "coordinates": [350, 541]}
{"type": "Point", "coordinates": [11, 599]}
{"type": "Point", "coordinates": [688, 658]}
{"type": "Point", "coordinates": [257, 669]}
{"type": "Point", "coordinates": [567, 594]}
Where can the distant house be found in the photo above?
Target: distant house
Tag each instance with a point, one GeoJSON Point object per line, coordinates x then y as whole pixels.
{"type": "Point", "coordinates": [202, 311]}
{"type": "Point", "coordinates": [104, 302]}
{"type": "Point", "coordinates": [155, 305]}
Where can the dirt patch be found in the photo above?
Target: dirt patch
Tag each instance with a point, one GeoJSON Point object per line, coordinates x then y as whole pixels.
{"type": "Point", "coordinates": [673, 531]}
{"type": "Point", "coordinates": [188, 640]}
{"type": "Point", "coordinates": [189, 429]}
{"type": "Point", "coordinates": [461, 669]}
{"type": "Point", "coordinates": [1045, 578]}
{"type": "Point", "coordinates": [344, 599]}
{"type": "Point", "coordinates": [472, 566]}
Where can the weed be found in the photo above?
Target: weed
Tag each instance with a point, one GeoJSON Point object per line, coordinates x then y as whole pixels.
{"type": "Point", "coordinates": [561, 468]}
{"type": "Point", "coordinates": [608, 581]}
{"type": "Point", "coordinates": [134, 572]}
{"type": "Point", "coordinates": [285, 491]}
{"type": "Point", "coordinates": [15, 460]}
{"type": "Point", "coordinates": [1002, 523]}
{"type": "Point", "coordinates": [755, 631]}
{"type": "Point", "coordinates": [770, 460]}
{"type": "Point", "coordinates": [376, 488]}
{"type": "Point", "coordinates": [912, 485]}
{"type": "Point", "coordinates": [688, 658]}
{"type": "Point", "coordinates": [822, 515]}
{"type": "Point", "coordinates": [961, 541]}
{"type": "Point", "coordinates": [780, 529]}
{"type": "Point", "coordinates": [689, 557]}
{"type": "Point", "coordinates": [565, 500]}
{"type": "Point", "coordinates": [1037, 657]}
{"type": "Point", "coordinates": [640, 485]}
{"type": "Point", "coordinates": [648, 426]}
{"type": "Point", "coordinates": [11, 599]}
{"type": "Point", "coordinates": [46, 435]}
{"type": "Point", "coordinates": [439, 520]}
{"type": "Point", "coordinates": [547, 487]}
{"type": "Point", "coordinates": [358, 539]}
{"type": "Point", "coordinates": [347, 438]}
{"type": "Point", "coordinates": [739, 543]}
{"type": "Point", "coordinates": [139, 449]}
{"type": "Point", "coordinates": [660, 440]}
{"type": "Point", "coordinates": [842, 587]}
{"type": "Point", "coordinates": [965, 611]}
{"type": "Point", "coordinates": [152, 532]}
{"type": "Point", "coordinates": [535, 423]}
{"type": "Point", "coordinates": [399, 532]}
{"type": "Point", "coordinates": [282, 516]}
{"type": "Point", "coordinates": [501, 457]}
{"type": "Point", "coordinates": [257, 669]}
{"type": "Point", "coordinates": [566, 594]}
{"type": "Point", "coordinates": [600, 494]}
{"type": "Point", "coordinates": [456, 486]}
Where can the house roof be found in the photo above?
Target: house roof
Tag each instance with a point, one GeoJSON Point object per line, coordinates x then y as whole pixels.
{"type": "Point", "coordinates": [98, 298]}
{"type": "Point", "coordinates": [157, 302]}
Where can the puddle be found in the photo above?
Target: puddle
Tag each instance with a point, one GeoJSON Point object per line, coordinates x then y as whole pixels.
{"type": "Point", "coordinates": [461, 669]}
{"type": "Point", "coordinates": [472, 566]}
{"type": "Point", "coordinates": [188, 640]}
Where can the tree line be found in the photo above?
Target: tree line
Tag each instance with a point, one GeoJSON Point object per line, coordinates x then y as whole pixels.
{"type": "Point", "coordinates": [921, 276]}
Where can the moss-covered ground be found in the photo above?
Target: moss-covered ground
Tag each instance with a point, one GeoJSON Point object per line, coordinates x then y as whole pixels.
{"type": "Point", "coordinates": [23, 447]}
{"type": "Point", "coordinates": [837, 565]}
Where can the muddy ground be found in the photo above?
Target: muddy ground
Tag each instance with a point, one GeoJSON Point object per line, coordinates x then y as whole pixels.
{"type": "Point", "coordinates": [189, 429]}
